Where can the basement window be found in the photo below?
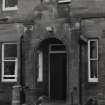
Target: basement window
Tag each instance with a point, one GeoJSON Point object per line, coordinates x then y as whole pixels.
{"type": "Point", "coordinates": [9, 5]}
{"type": "Point", "coordinates": [9, 62]}
{"type": "Point", "coordinates": [93, 60]}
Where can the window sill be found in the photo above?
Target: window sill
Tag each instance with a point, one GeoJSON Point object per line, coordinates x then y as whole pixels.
{"type": "Point", "coordinates": [8, 80]}
{"type": "Point", "coordinates": [93, 80]}
{"type": "Point", "coordinates": [10, 9]}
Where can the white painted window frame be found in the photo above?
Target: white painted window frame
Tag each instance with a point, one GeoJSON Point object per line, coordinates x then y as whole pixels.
{"type": "Point", "coordinates": [16, 66]}
{"type": "Point", "coordinates": [4, 8]}
{"type": "Point", "coordinates": [95, 79]}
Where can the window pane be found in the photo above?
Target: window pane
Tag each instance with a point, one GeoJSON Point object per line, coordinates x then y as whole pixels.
{"type": "Point", "coordinates": [58, 48]}
{"type": "Point", "coordinates": [10, 50]}
{"type": "Point", "coordinates": [93, 49]}
{"type": "Point", "coordinates": [10, 3]}
{"type": "Point", "coordinates": [93, 69]}
{"type": "Point", "coordinates": [63, 9]}
{"type": "Point", "coordinates": [9, 67]}
{"type": "Point", "coordinates": [9, 77]}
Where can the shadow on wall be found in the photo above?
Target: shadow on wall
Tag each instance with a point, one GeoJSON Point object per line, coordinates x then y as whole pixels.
{"type": "Point", "coordinates": [4, 103]}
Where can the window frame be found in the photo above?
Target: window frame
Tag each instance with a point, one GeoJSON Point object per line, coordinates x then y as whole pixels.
{"type": "Point", "coordinates": [16, 66]}
{"type": "Point", "coordinates": [4, 8]}
{"type": "Point", "coordinates": [90, 79]}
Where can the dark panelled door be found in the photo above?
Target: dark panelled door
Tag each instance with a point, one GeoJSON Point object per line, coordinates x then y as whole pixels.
{"type": "Point", "coordinates": [58, 76]}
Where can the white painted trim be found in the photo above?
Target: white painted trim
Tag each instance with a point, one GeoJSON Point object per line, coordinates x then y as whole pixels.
{"type": "Point", "coordinates": [93, 80]}
{"type": "Point", "coordinates": [64, 1]}
{"type": "Point", "coordinates": [16, 67]}
{"type": "Point", "coordinates": [40, 67]}
{"type": "Point", "coordinates": [17, 86]}
{"type": "Point", "coordinates": [92, 59]}
{"type": "Point", "coordinates": [4, 8]}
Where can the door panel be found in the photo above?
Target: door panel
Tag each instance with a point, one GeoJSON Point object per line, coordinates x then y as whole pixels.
{"type": "Point", "coordinates": [58, 76]}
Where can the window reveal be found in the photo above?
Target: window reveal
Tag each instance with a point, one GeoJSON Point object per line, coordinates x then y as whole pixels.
{"type": "Point", "coordinates": [9, 62]}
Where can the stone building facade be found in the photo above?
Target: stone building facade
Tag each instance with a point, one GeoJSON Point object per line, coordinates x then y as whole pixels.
{"type": "Point", "coordinates": [52, 48]}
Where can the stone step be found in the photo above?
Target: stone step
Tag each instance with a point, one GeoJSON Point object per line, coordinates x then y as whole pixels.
{"type": "Point", "coordinates": [51, 103]}
{"type": "Point", "coordinates": [54, 103]}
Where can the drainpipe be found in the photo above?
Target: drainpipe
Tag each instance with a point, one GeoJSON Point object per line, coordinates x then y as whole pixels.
{"type": "Point", "coordinates": [21, 72]}
{"type": "Point", "coordinates": [80, 76]}
{"type": "Point", "coordinates": [80, 79]}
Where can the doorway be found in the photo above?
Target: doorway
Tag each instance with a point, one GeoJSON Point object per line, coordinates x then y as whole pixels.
{"type": "Point", "coordinates": [58, 66]}
{"type": "Point", "coordinates": [52, 69]}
